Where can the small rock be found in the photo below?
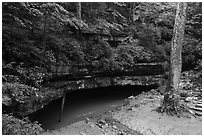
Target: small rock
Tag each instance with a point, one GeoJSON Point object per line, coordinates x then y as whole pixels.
{"type": "Point", "coordinates": [103, 121]}
{"type": "Point", "coordinates": [105, 126]}
{"type": "Point", "coordinates": [114, 127]}
{"type": "Point", "coordinates": [134, 109]}
{"type": "Point", "coordinates": [131, 97]}
{"type": "Point", "coordinates": [151, 97]}
{"type": "Point", "coordinates": [82, 133]}
{"type": "Point", "coordinates": [99, 125]}
{"type": "Point", "coordinates": [184, 94]}
{"type": "Point", "coordinates": [120, 133]}
{"type": "Point", "coordinates": [130, 109]}
{"type": "Point", "coordinates": [195, 98]}
{"type": "Point", "coordinates": [123, 133]}
{"type": "Point", "coordinates": [91, 125]}
{"type": "Point", "coordinates": [87, 119]}
{"type": "Point", "coordinates": [188, 99]}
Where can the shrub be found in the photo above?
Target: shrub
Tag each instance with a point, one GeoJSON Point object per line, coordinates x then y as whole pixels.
{"type": "Point", "coordinates": [14, 126]}
{"type": "Point", "coordinates": [21, 73]}
{"type": "Point", "coordinates": [19, 93]}
{"type": "Point", "coordinates": [23, 99]}
{"type": "Point", "coordinates": [192, 51]}
{"type": "Point", "coordinates": [131, 53]}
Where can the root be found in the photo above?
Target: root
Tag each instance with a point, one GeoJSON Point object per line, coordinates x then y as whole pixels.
{"type": "Point", "coordinates": [171, 106]}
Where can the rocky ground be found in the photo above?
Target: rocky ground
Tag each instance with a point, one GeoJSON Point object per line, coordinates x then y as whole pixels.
{"type": "Point", "coordinates": [136, 116]}
{"type": "Point", "coordinates": [140, 115]}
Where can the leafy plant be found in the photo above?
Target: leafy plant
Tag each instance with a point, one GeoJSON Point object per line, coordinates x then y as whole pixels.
{"type": "Point", "coordinates": [131, 53]}
{"type": "Point", "coordinates": [14, 126]}
{"type": "Point", "coordinates": [19, 93]}
{"type": "Point", "coordinates": [191, 51]}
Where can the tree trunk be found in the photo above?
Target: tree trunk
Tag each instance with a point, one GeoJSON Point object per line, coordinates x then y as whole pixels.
{"type": "Point", "coordinates": [91, 10]}
{"type": "Point", "coordinates": [171, 100]}
{"type": "Point", "coordinates": [131, 12]}
{"type": "Point", "coordinates": [45, 28]}
{"type": "Point", "coordinates": [176, 45]}
{"type": "Point", "coordinates": [78, 9]}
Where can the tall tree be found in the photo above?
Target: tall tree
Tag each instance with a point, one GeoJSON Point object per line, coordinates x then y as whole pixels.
{"type": "Point", "coordinates": [170, 103]}
{"type": "Point", "coordinates": [176, 46]}
{"type": "Point", "coordinates": [78, 12]}
{"type": "Point", "coordinates": [132, 11]}
{"type": "Point", "coordinates": [78, 9]}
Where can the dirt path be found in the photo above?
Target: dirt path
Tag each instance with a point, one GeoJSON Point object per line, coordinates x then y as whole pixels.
{"type": "Point", "coordinates": [135, 116]}
{"type": "Point", "coordinates": [96, 124]}
{"type": "Point", "coordinates": [140, 115]}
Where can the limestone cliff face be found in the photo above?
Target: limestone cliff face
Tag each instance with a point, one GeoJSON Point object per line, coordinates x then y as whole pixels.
{"type": "Point", "coordinates": [54, 90]}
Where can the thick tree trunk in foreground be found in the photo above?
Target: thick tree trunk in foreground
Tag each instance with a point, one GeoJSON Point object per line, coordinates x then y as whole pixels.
{"type": "Point", "coordinates": [176, 45]}
{"type": "Point", "coordinates": [171, 101]}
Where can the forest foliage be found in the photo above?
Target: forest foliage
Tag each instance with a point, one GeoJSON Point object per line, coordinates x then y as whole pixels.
{"type": "Point", "coordinates": [36, 35]}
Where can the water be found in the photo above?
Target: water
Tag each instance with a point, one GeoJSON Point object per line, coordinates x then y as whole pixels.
{"type": "Point", "coordinates": [81, 103]}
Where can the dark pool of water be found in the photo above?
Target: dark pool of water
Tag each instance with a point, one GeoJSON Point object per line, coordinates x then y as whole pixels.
{"type": "Point", "coordinates": [80, 103]}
